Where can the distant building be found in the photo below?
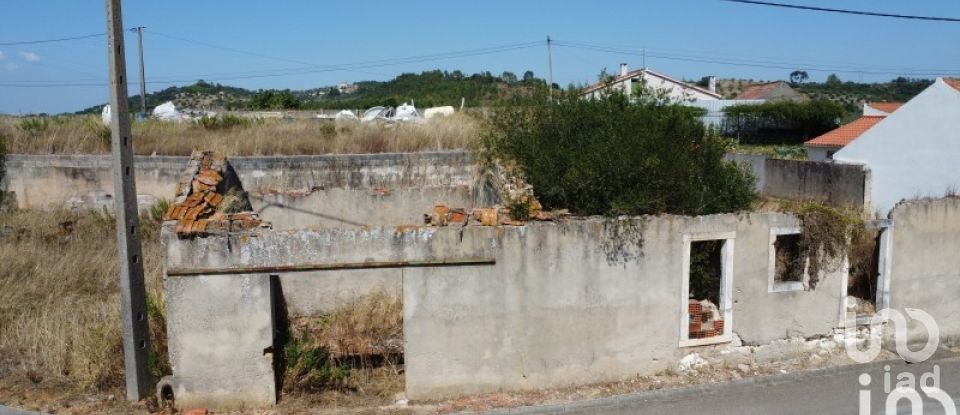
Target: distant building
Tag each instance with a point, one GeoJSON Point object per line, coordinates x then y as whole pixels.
{"type": "Point", "coordinates": [345, 88]}
{"type": "Point", "coordinates": [913, 151]}
{"type": "Point", "coordinates": [771, 91]}
{"type": "Point", "coordinates": [629, 81]}
{"type": "Point", "coordinates": [825, 146]}
{"type": "Point", "coordinates": [715, 114]}
{"type": "Point", "coordinates": [880, 108]}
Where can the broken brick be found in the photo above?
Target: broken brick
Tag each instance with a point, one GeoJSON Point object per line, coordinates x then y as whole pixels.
{"type": "Point", "coordinates": [486, 216]}
{"type": "Point", "coordinates": [457, 216]}
{"type": "Point", "coordinates": [213, 199]}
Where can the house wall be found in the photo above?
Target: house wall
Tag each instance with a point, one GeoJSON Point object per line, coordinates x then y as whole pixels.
{"type": "Point", "coordinates": [913, 152]}
{"type": "Point", "coordinates": [925, 269]}
{"type": "Point", "coordinates": [818, 153]}
{"type": "Point", "coordinates": [290, 191]}
{"type": "Point", "coordinates": [564, 304]}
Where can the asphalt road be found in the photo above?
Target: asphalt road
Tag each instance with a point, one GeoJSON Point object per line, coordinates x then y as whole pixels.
{"type": "Point", "coordinates": [829, 391]}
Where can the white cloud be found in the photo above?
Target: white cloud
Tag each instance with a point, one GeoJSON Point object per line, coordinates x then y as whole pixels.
{"type": "Point", "coordinates": [2, 56]}
{"type": "Point", "coordinates": [9, 67]}
{"type": "Point", "coordinates": [29, 56]}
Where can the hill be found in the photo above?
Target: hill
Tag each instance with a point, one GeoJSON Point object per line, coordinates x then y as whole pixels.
{"type": "Point", "coordinates": [201, 95]}
{"type": "Point", "coordinates": [426, 89]}
{"type": "Point", "coordinates": [850, 95]}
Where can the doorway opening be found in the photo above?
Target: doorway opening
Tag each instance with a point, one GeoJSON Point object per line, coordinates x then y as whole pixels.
{"type": "Point", "coordinates": [708, 268]}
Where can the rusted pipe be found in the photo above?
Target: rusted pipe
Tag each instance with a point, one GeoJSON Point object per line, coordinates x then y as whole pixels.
{"type": "Point", "coordinates": [186, 272]}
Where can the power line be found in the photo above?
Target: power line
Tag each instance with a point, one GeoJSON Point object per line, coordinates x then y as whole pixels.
{"type": "Point", "coordinates": [293, 71]}
{"type": "Point", "coordinates": [62, 39]}
{"type": "Point", "coordinates": [314, 67]}
{"type": "Point", "coordinates": [752, 64]}
{"type": "Point", "coordinates": [856, 12]}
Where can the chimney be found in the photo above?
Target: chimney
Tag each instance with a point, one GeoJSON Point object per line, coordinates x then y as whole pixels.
{"type": "Point", "coordinates": [712, 83]}
{"type": "Point", "coordinates": [624, 69]}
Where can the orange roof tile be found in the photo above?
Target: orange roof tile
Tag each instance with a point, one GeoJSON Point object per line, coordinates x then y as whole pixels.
{"type": "Point", "coordinates": [954, 82]}
{"type": "Point", "coordinates": [887, 107]}
{"type": "Point", "coordinates": [846, 133]}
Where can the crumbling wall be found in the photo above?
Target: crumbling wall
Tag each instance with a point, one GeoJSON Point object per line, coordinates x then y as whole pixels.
{"type": "Point", "coordinates": [925, 267]}
{"type": "Point", "coordinates": [563, 303]}
{"type": "Point", "coordinates": [291, 191]}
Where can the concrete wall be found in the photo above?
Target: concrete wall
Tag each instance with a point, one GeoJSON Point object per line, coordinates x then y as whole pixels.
{"type": "Point", "coordinates": [291, 191]}
{"type": "Point", "coordinates": [925, 267]}
{"type": "Point", "coordinates": [832, 183]}
{"type": "Point", "coordinates": [756, 163]}
{"type": "Point", "coordinates": [339, 207]}
{"type": "Point", "coordinates": [913, 152]}
{"type": "Point", "coordinates": [220, 335]}
{"type": "Point", "coordinates": [564, 304]}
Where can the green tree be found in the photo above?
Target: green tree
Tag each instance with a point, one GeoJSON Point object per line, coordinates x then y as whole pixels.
{"type": "Point", "coordinates": [508, 77]}
{"type": "Point", "coordinates": [609, 156]}
{"type": "Point", "coordinates": [833, 80]}
{"type": "Point", "coordinates": [529, 77]}
{"type": "Point", "coordinates": [798, 77]}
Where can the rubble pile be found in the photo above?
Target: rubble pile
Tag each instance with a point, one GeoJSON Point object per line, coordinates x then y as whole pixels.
{"type": "Point", "coordinates": [210, 199]}
{"type": "Point", "coordinates": [705, 319]}
{"type": "Point", "coordinates": [442, 215]}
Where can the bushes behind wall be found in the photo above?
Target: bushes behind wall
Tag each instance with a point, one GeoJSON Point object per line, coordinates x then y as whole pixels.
{"type": "Point", "coordinates": [613, 157]}
{"type": "Point", "coordinates": [781, 122]}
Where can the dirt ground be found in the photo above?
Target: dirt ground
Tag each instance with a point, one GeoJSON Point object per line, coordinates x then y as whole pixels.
{"type": "Point", "coordinates": [704, 365]}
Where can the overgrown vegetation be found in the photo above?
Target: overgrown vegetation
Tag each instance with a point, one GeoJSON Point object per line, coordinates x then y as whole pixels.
{"type": "Point", "coordinates": [224, 122]}
{"type": "Point", "coordinates": [238, 136]}
{"type": "Point", "coordinates": [612, 157]}
{"type": "Point", "coordinates": [825, 237]}
{"type": "Point", "coordinates": [781, 122]}
{"type": "Point", "coordinates": [426, 89]}
{"type": "Point", "coordinates": [356, 347]}
{"type": "Point", "coordinates": [60, 299]}
{"type": "Point", "coordinates": [706, 271]}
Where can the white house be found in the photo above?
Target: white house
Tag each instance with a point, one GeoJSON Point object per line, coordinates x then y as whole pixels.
{"type": "Point", "coordinates": [823, 148]}
{"type": "Point", "coordinates": [914, 151]}
{"type": "Point", "coordinates": [628, 82]}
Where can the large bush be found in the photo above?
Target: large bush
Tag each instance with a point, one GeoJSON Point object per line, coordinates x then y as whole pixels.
{"type": "Point", "coordinates": [609, 156]}
{"type": "Point", "coordinates": [781, 122]}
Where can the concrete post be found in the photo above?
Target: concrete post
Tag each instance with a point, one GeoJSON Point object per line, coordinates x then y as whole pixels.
{"type": "Point", "coordinates": [133, 308]}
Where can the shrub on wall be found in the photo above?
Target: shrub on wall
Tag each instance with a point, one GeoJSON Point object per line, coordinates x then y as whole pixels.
{"type": "Point", "coordinates": [613, 157]}
{"type": "Point", "coordinates": [781, 122]}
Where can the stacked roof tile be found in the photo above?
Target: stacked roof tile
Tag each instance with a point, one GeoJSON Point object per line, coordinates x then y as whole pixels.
{"type": "Point", "coordinates": [201, 191]}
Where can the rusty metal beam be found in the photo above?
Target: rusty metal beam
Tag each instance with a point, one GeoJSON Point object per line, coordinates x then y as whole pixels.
{"type": "Point", "coordinates": [447, 262]}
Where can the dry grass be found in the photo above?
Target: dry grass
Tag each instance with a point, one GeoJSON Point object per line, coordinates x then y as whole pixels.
{"type": "Point", "coordinates": [362, 337]}
{"type": "Point", "coordinates": [86, 135]}
{"type": "Point", "coordinates": [59, 297]}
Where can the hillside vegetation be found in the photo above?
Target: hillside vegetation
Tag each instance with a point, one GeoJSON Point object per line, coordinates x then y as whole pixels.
{"type": "Point", "coordinates": [426, 89]}
{"type": "Point", "coordinates": [850, 95]}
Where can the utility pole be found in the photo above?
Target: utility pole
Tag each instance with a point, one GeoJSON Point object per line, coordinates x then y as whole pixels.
{"type": "Point", "coordinates": [550, 65]}
{"type": "Point", "coordinates": [143, 80]}
{"type": "Point", "coordinates": [133, 306]}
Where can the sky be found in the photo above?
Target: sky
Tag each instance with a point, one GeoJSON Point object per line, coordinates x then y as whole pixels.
{"type": "Point", "coordinates": [293, 44]}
